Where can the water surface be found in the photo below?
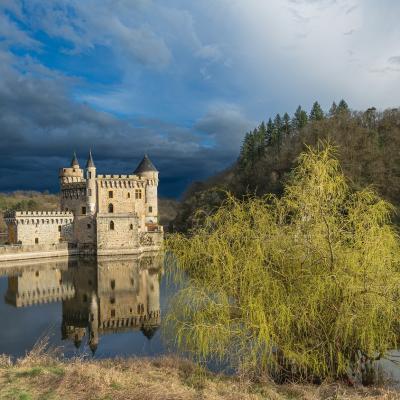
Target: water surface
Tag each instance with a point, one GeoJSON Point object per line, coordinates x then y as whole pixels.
{"type": "Point", "coordinates": [109, 306]}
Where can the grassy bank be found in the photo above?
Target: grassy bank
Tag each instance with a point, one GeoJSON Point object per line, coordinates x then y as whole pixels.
{"type": "Point", "coordinates": [47, 377]}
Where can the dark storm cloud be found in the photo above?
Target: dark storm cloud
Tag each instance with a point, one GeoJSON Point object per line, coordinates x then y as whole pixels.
{"type": "Point", "coordinates": [40, 127]}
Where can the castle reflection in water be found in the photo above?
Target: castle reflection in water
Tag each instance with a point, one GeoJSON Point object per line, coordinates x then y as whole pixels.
{"type": "Point", "coordinates": [99, 295]}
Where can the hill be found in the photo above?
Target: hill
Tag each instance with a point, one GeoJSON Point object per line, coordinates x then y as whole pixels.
{"type": "Point", "coordinates": [368, 148]}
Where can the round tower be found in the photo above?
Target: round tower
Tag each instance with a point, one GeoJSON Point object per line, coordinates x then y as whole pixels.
{"type": "Point", "coordinates": [90, 185]}
{"type": "Point", "coordinates": [74, 173]}
{"type": "Point", "coordinates": [147, 171]}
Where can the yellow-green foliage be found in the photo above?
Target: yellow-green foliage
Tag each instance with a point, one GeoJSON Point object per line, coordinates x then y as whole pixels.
{"type": "Point", "coordinates": [305, 284]}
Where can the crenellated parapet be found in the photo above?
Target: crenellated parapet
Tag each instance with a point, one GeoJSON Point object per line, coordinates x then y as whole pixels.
{"type": "Point", "coordinates": [38, 217]}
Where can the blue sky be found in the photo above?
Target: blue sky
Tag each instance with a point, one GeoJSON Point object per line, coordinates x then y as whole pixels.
{"type": "Point", "coordinates": [181, 80]}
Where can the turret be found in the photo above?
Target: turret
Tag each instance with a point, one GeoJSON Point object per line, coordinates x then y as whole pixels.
{"type": "Point", "coordinates": [147, 171]}
{"type": "Point", "coordinates": [90, 185]}
{"type": "Point", "coordinates": [71, 174]}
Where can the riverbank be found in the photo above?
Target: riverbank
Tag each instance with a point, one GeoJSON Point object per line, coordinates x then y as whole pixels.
{"type": "Point", "coordinates": [44, 376]}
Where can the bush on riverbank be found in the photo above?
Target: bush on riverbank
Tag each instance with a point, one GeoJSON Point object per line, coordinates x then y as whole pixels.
{"type": "Point", "coordinates": [302, 287]}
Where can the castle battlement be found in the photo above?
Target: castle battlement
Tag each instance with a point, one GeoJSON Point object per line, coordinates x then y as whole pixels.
{"type": "Point", "coordinates": [50, 214]}
{"type": "Point", "coordinates": [118, 176]}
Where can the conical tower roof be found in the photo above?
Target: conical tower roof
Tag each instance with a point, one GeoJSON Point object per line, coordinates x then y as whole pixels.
{"type": "Point", "coordinates": [74, 161]}
{"type": "Point", "coordinates": [90, 162]}
{"type": "Point", "coordinates": [145, 166]}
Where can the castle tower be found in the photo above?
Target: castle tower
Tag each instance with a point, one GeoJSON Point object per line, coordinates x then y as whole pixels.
{"type": "Point", "coordinates": [71, 174]}
{"type": "Point", "coordinates": [91, 185]}
{"type": "Point", "coordinates": [146, 170]}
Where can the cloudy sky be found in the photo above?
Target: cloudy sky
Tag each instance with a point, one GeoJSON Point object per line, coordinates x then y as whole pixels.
{"type": "Point", "coordinates": [179, 79]}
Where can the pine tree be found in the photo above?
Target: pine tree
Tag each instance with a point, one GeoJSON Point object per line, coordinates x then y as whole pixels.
{"type": "Point", "coordinates": [333, 110]}
{"type": "Point", "coordinates": [286, 124]}
{"type": "Point", "coordinates": [277, 134]}
{"type": "Point", "coordinates": [343, 108]}
{"type": "Point", "coordinates": [300, 118]}
{"type": "Point", "coordinates": [270, 131]}
{"type": "Point", "coordinates": [262, 131]}
{"type": "Point", "coordinates": [316, 113]}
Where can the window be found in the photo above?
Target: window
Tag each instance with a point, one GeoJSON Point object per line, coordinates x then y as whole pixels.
{"type": "Point", "coordinates": [138, 194]}
{"type": "Point", "coordinates": [111, 225]}
{"type": "Point", "coordinates": [37, 273]}
{"type": "Point", "coordinates": [129, 195]}
{"type": "Point", "coordinates": [110, 208]}
{"type": "Point", "coordinates": [83, 210]}
{"type": "Point", "coordinates": [59, 228]}
{"type": "Point", "coordinates": [85, 298]}
{"type": "Point", "coordinates": [112, 284]}
{"type": "Point", "coordinates": [36, 240]}
{"type": "Point", "coordinates": [150, 209]}
{"type": "Point", "coordinates": [110, 194]}
{"type": "Point", "coordinates": [89, 226]}
{"type": "Point", "coordinates": [89, 192]}
{"type": "Point", "coordinates": [89, 175]}
{"type": "Point", "coordinates": [112, 313]}
{"type": "Point", "coordinates": [131, 227]}
{"type": "Point", "coordinates": [112, 300]}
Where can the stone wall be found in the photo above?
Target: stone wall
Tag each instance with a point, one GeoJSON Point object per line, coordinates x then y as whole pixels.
{"type": "Point", "coordinates": [117, 231]}
{"type": "Point", "coordinates": [39, 227]}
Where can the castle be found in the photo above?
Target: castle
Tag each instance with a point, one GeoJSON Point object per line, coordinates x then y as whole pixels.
{"type": "Point", "coordinates": [99, 214]}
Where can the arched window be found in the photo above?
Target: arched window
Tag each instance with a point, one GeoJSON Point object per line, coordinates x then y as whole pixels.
{"type": "Point", "coordinates": [110, 208]}
{"type": "Point", "coordinates": [131, 227]}
{"type": "Point", "coordinates": [111, 225]}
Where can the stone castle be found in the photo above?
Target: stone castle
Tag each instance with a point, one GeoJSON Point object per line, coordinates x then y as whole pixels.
{"type": "Point", "coordinates": [99, 214]}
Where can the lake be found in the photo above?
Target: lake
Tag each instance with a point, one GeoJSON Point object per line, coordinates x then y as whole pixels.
{"type": "Point", "coordinates": [103, 307]}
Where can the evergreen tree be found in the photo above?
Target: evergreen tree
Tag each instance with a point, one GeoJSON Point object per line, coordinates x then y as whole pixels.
{"type": "Point", "coordinates": [316, 113]}
{"type": "Point", "coordinates": [277, 134]}
{"type": "Point", "coordinates": [286, 124]}
{"type": "Point", "coordinates": [343, 108]}
{"type": "Point", "coordinates": [270, 132]}
{"type": "Point", "coordinates": [262, 131]}
{"type": "Point", "coordinates": [300, 118]}
{"type": "Point", "coordinates": [333, 110]}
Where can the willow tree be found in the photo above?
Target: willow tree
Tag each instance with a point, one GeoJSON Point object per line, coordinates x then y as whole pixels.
{"type": "Point", "coordinates": [302, 286]}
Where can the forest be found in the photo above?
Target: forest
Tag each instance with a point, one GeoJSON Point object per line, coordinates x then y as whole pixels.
{"type": "Point", "coordinates": [366, 144]}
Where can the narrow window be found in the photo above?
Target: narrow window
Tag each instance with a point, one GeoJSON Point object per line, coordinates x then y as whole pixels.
{"type": "Point", "coordinates": [59, 228]}
{"type": "Point", "coordinates": [112, 284]}
{"type": "Point", "coordinates": [112, 313]}
{"type": "Point", "coordinates": [150, 209]}
{"type": "Point", "coordinates": [111, 225]}
{"type": "Point", "coordinates": [129, 195]}
{"type": "Point", "coordinates": [89, 226]}
{"type": "Point", "coordinates": [131, 227]}
{"type": "Point", "coordinates": [110, 194]}
{"type": "Point", "coordinates": [110, 208]}
{"type": "Point", "coordinates": [89, 192]}
{"type": "Point", "coordinates": [89, 175]}
{"type": "Point", "coordinates": [83, 210]}
{"type": "Point", "coordinates": [37, 273]}
{"type": "Point", "coordinates": [112, 300]}
{"type": "Point", "coordinates": [36, 240]}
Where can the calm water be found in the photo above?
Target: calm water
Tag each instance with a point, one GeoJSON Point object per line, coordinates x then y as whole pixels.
{"type": "Point", "coordinates": [107, 306]}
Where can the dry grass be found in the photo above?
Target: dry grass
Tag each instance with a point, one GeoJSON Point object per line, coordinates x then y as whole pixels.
{"type": "Point", "coordinates": [42, 375]}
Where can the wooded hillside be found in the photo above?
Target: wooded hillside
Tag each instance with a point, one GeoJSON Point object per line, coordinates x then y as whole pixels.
{"type": "Point", "coordinates": [368, 148]}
